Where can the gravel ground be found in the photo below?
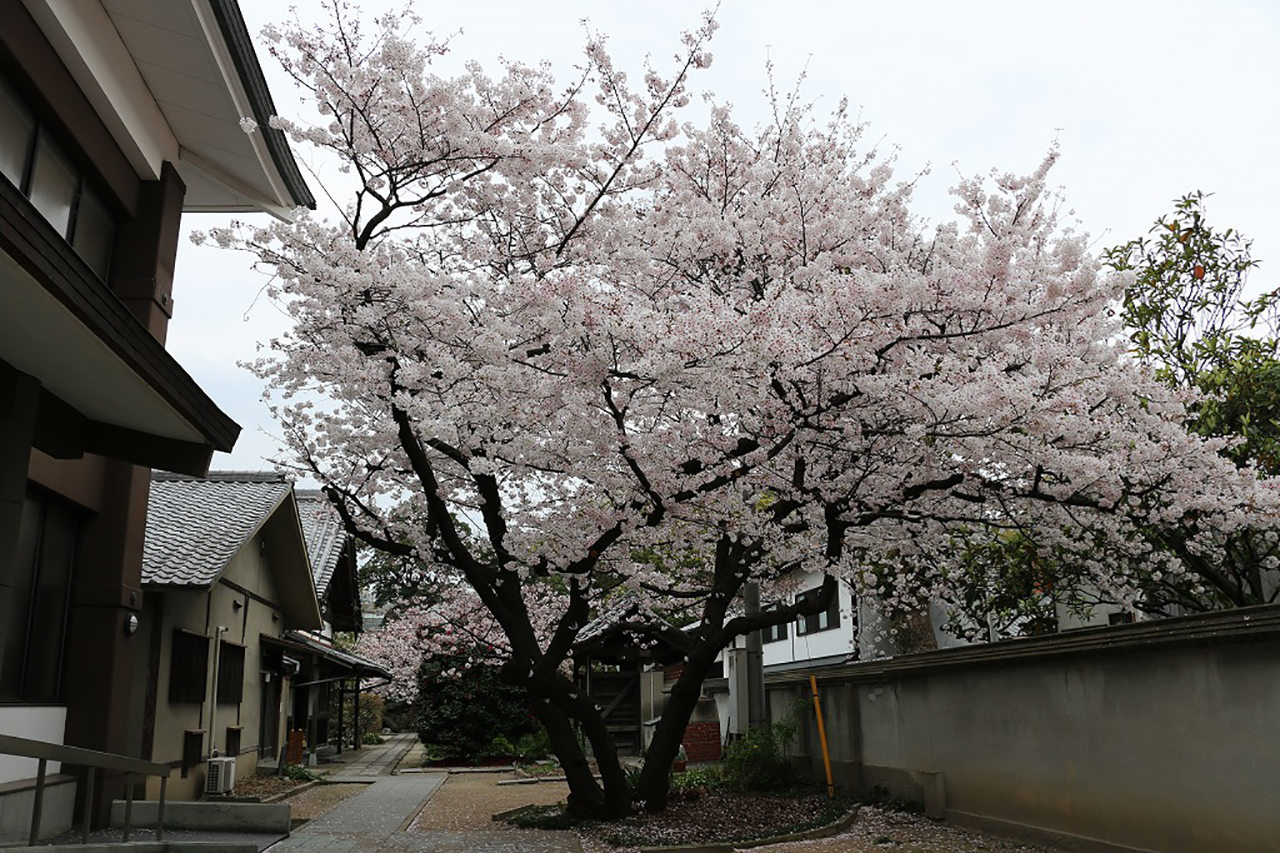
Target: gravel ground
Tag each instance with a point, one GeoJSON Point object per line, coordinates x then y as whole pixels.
{"type": "Point", "coordinates": [318, 800]}
{"type": "Point", "coordinates": [262, 785]}
{"type": "Point", "coordinates": [879, 830]}
{"type": "Point", "coordinates": [717, 816]}
{"type": "Point", "coordinates": [468, 801]}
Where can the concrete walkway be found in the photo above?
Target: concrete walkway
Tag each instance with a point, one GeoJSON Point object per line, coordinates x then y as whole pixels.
{"type": "Point", "coordinates": [370, 761]}
{"type": "Point", "coordinates": [376, 820]}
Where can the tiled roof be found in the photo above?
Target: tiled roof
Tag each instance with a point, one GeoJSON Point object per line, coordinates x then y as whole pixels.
{"type": "Point", "coordinates": [324, 534]}
{"type": "Point", "coordinates": [347, 660]}
{"type": "Point", "coordinates": [626, 607]}
{"type": "Point", "coordinates": [195, 526]}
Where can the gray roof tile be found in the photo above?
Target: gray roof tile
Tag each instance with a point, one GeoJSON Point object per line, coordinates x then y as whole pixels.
{"type": "Point", "coordinates": [195, 526]}
{"type": "Point", "coordinates": [324, 534]}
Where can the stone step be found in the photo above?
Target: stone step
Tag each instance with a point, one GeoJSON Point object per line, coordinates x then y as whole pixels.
{"type": "Point", "coordinates": [208, 816]}
{"type": "Point", "coordinates": [152, 847]}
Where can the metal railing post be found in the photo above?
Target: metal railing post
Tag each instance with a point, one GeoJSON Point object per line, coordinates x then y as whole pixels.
{"type": "Point", "coordinates": [90, 779]}
{"type": "Point", "coordinates": [94, 762]}
{"type": "Point", "coordinates": [38, 806]}
{"type": "Point", "coordinates": [164, 783]}
{"type": "Point", "coordinates": [128, 804]}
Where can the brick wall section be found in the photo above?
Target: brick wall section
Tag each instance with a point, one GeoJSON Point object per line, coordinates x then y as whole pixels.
{"type": "Point", "coordinates": [702, 741]}
{"type": "Point", "coordinates": [672, 673]}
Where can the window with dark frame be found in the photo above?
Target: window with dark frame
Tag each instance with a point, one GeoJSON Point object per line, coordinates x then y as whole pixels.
{"type": "Point", "coordinates": [188, 667]}
{"type": "Point", "coordinates": [33, 615]}
{"type": "Point", "coordinates": [230, 674]}
{"type": "Point", "coordinates": [33, 161]}
{"type": "Point", "coordinates": [773, 633]}
{"type": "Point", "coordinates": [824, 621]}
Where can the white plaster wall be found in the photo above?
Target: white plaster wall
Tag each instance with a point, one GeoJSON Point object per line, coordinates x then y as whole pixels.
{"type": "Point", "coordinates": [35, 722]}
{"type": "Point", "coordinates": [836, 641]}
{"type": "Point", "coordinates": [724, 710]}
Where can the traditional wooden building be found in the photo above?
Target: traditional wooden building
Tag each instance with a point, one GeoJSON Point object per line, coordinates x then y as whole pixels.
{"type": "Point", "coordinates": [116, 118]}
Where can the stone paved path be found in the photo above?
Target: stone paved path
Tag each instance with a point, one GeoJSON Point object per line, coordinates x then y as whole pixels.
{"type": "Point", "coordinates": [383, 808]}
{"type": "Point", "coordinates": [374, 821]}
{"type": "Point", "coordinates": [358, 765]}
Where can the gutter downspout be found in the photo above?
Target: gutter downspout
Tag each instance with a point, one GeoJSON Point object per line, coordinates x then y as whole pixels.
{"type": "Point", "coordinates": [213, 698]}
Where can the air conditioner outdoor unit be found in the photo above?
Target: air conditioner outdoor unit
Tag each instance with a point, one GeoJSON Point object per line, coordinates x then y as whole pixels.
{"type": "Point", "coordinates": [220, 776]}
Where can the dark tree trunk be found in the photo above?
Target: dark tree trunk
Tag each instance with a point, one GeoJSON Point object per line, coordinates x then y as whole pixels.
{"type": "Point", "coordinates": [586, 798]}
{"type": "Point", "coordinates": [557, 705]}
{"type": "Point", "coordinates": [655, 778]}
{"type": "Point", "coordinates": [617, 792]}
{"type": "Point", "coordinates": [915, 632]}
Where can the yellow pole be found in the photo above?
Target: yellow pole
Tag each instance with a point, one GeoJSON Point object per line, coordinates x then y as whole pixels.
{"type": "Point", "coordinates": [822, 736]}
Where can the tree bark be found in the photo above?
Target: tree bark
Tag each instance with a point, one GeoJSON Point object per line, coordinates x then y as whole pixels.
{"type": "Point", "coordinates": [655, 779]}
{"type": "Point", "coordinates": [617, 792]}
{"type": "Point", "coordinates": [915, 632]}
{"type": "Point", "coordinates": [586, 797]}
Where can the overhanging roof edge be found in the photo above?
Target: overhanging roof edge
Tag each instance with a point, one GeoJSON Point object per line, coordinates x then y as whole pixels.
{"type": "Point", "coordinates": [239, 44]}
{"type": "Point", "coordinates": [32, 244]}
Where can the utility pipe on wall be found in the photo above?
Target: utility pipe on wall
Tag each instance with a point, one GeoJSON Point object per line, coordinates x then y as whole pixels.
{"type": "Point", "coordinates": [213, 698]}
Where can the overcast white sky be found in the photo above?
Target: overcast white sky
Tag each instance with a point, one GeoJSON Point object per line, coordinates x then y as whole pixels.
{"type": "Point", "coordinates": [1149, 100]}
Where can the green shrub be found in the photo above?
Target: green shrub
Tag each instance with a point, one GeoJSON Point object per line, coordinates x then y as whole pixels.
{"type": "Point", "coordinates": [761, 759]}
{"type": "Point", "coordinates": [533, 746]}
{"type": "Point", "coordinates": [464, 716]}
{"type": "Point", "coordinates": [298, 773]}
{"type": "Point", "coordinates": [698, 778]}
{"type": "Point", "coordinates": [372, 707]}
{"type": "Point", "coordinates": [634, 771]}
{"type": "Point", "coordinates": [499, 747]}
{"type": "Point", "coordinates": [372, 738]}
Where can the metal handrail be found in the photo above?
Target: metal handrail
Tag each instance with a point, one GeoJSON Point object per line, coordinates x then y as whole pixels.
{"type": "Point", "coordinates": [44, 752]}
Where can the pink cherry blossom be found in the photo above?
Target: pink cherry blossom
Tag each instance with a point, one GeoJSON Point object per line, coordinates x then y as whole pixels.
{"type": "Point", "coordinates": [565, 348]}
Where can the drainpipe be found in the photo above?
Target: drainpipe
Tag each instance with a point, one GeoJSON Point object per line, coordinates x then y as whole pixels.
{"type": "Point", "coordinates": [213, 699]}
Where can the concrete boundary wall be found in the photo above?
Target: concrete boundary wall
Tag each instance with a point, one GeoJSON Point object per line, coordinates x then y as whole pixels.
{"type": "Point", "coordinates": [1156, 736]}
{"type": "Point", "coordinates": [17, 800]}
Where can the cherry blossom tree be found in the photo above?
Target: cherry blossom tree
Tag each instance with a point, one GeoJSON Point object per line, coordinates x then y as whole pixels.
{"type": "Point", "coordinates": [455, 623]}
{"type": "Point", "coordinates": [602, 335]}
{"type": "Point", "coordinates": [416, 631]}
